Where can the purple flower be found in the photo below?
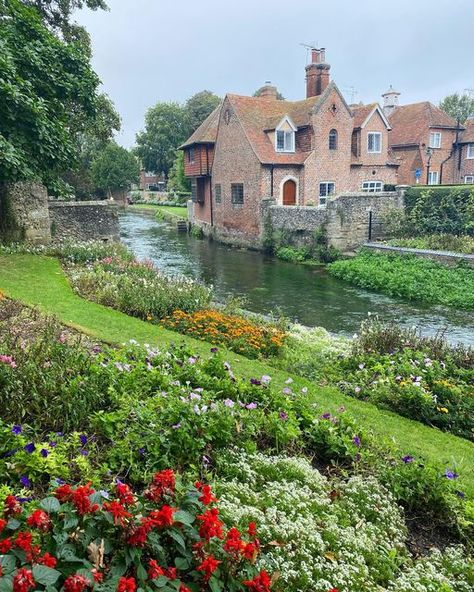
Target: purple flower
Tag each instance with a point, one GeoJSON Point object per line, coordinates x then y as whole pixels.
{"type": "Point", "coordinates": [251, 406]}
{"type": "Point", "coordinates": [229, 403]}
{"type": "Point", "coordinates": [25, 481]}
{"type": "Point", "coordinates": [192, 360]}
{"type": "Point", "coordinates": [195, 396]}
{"type": "Point", "coordinates": [9, 453]}
{"type": "Point", "coordinates": [141, 451]}
{"type": "Point", "coordinates": [287, 390]}
{"type": "Point", "coordinates": [451, 475]}
{"type": "Point", "coordinates": [30, 448]}
{"type": "Point", "coordinates": [265, 379]}
{"type": "Point", "coordinates": [44, 453]}
{"type": "Point", "coordinates": [460, 494]}
{"type": "Point", "coordinates": [214, 350]}
{"type": "Point", "coordinates": [176, 426]}
{"type": "Point", "coordinates": [326, 415]}
{"type": "Point", "coordinates": [52, 444]}
{"type": "Point", "coordinates": [24, 500]}
{"type": "Point", "coordinates": [255, 381]}
{"type": "Point", "coordinates": [59, 434]}
{"type": "Point", "coordinates": [83, 439]}
{"type": "Point", "coordinates": [60, 481]}
{"type": "Point", "coordinates": [17, 429]}
{"type": "Point", "coordinates": [84, 452]}
{"type": "Point", "coordinates": [407, 459]}
{"type": "Point", "coordinates": [283, 416]}
{"type": "Point", "coordinates": [205, 460]}
{"type": "Point", "coordinates": [356, 441]}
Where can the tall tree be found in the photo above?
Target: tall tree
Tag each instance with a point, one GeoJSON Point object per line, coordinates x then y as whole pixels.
{"type": "Point", "coordinates": [458, 106]}
{"type": "Point", "coordinates": [48, 94]}
{"type": "Point", "coordinates": [115, 167]}
{"type": "Point", "coordinates": [200, 106]}
{"type": "Point", "coordinates": [166, 127]}
{"type": "Point", "coordinates": [57, 13]}
{"type": "Point", "coordinates": [177, 179]}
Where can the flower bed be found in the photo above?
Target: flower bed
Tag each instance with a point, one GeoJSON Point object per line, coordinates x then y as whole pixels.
{"type": "Point", "coordinates": [235, 333]}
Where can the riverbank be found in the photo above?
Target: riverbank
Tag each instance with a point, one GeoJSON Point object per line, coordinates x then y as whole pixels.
{"type": "Point", "coordinates": [39, 281]}
{"type": "Point", "coordinates": [170, 213]}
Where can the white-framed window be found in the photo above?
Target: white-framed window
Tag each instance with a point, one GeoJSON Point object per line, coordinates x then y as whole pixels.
{"type": "Point", "coordinates": [470, 151]}
{"type": "Point", "coordinates": [435, 140]}
{"type": "Point", "coordinates": [469, 179]}
{"type": "Point", "coordinates": [433, 178]}
{"type": "Point", "coordinates": [285, 141]}
{"type": "Point", "coordinates": [325, 189]}
{"type": "Point", "coordinates": [372, 186]}
{"type": "Point", "coordinates": [374, 142]}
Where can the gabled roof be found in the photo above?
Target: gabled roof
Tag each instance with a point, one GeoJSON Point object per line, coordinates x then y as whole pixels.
{"type": "Point", "coordinates": [206, 133]}
{"type": "Point", "coordinates": [410, 123]}
{"type": "Point", "coordinates": [363, 113]}
{"type": "Point", "coordinates": [467, 136]}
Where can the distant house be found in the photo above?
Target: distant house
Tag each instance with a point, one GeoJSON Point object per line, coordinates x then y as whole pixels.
{"type": "Point", "coordinates": [465, 153]}
{"type": "Point", "coordinates": [296, 152]}
{"type": "Point", "coordinates": [150, 181]}
{"type": "Point", "coordinates": [423, 139]}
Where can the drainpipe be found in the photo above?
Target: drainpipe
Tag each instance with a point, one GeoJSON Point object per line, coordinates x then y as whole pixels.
{"type": "Point", "coordinates": [272, 166]}
{"type": "Point", "coordinates": [453, 151]}
{"type": "Point", "coordinates": [210, 185]}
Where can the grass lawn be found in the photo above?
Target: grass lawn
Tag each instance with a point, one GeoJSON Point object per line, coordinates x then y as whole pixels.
{"type": "Point", "coordinates": [39, 281]}
{"type": "Point", "coordinates": [173, 211]}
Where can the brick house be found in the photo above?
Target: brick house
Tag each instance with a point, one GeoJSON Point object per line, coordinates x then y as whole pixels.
{"type": "Point", "coordinates": [296, 152]}
{"type": "Point", "coordinates": [151, 181]}
{"type": "Point", "coordinates": [423, 139]}
{"type": "Point", "coordinates": [465, 153]}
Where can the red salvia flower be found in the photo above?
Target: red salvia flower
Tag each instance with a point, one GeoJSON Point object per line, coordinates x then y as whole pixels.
{"type": "Point", "coordinates": [126, 585]}
{"type": "Point", "coordinates": [5, 546]}
{"type": "Point", "coordinates": [23, 580]}
{"type": "Point", "coordinates": [39, 519]}
{"type": "Point", "coordinates": [234, 545]}
{"type": "Point", "coordinates": [211, 526]}
{"type": "Point", "coordinates": [3, 523]}
{"type": "Point", "coordinates": [76, 583]}
{"type": "Point", "coordinates": [12, 506]}
{"type": "Point", "coordinates": [155, 571]}
{"type": "Point", "coordinates": [138, 534]}
{"type": "Point", "coordinates": [184, 588]}
{"type": "Point", "coordinates": [163, 483]}
{"type": "Point", "coordinates": [207, 497]}
{"type": "Point", "coordinates": [163, 517]}
{"type": "Point", "coordinates": [208, 566]}
{"type": "Point", "coordinates": [97, 575]}
{"type": "Point", "coordinates": [252, 529]}
{"type": "Point", "coordinates": [260, 583]}
{"type": "Point", "coordinates": [64, 493]}
{"type": "Point", "coordinates": [81, 499]}
{"type": "Point", "coordinates": [23, 541]}
{"type": "Point", "coordinates": [47, 560]}
{"type": "Point", "coordinates": [119, 513]}
{"type": "Point", "coordinates": [125, 494]}
{"type": "Point", "coordinates": [250, 551]}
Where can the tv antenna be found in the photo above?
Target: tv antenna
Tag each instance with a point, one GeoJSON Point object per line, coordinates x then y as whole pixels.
{"type": "Point", "coordinates": [309, 47]}
{"type": "Point", "coordinates": [352, 91]}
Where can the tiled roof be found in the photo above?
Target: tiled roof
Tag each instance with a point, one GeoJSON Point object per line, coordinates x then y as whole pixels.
{"type": "Point", "coordinates": [468, 134]}
{"type": "Point", "coordinates": [206, 133]}
{"type": "Point", "coordinates": [410, 123]}
{"type": "Point", "coordinates": [361, 112]}
{"type": "Point", "coordinates": [257, 115]}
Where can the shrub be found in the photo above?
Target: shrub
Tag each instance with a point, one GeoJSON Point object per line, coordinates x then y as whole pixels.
{"type": "Point", "coordinates": [410, 277]}
{"type": "Point", "coordinates": [437, 242]}
{"type": "Point", "coordinates": [167, 538]}
{"type": "Point", "coordinates": [234, 332]}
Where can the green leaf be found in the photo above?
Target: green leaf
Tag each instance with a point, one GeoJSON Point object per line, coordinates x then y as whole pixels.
{"type": "Point", "coordinates": [7, 563]}
{"type": "Point", "coordinates": [141, 572]}
{"type": "Point", "coordinates": [50, 504]}
{"type": "Point", "coordinates": [160, 582]}
{"type": "Point", "coordinates": [71, 523]}
{"type": "Point", "coordinates": [215, 585]}
{"type": "Point", "coordinates": [181, 563]}
{"type": "Point", "coordinates": [6, 584]}
{"type": "Point", "coordinates": [184, 517]}
{"type": "Point", "coordinates": [178, 538]}
{"type": "Point", "coordinates": [13, 524]}
{"type": "Point", "coordinates": [45, 575]}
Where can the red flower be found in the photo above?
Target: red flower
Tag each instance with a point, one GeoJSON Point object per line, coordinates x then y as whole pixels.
{"type": "Point", "coordinates": [119, 513]}
{"type": "Point", "coordinates": [40, 520]}
{"type": "Point", "coordinates": [81, 499]}
{"type": "Point", "coordinates": [138, 534]}
{"type": "Point", "coordinates": [260, 583]}
{"type": "Point", "coordinates": [252, 529]}
{"type": "Point", "coordinates": [3, 523]}
{"type": "Point", "coordinates": [64, 493]}
{"type": "Point", "coordinates": [5, 546]}
{"type": "Point", "coordinates": [171, 573]}
{"type": "Point", "coordinates": [12, 506]}
{"type": "Point", "coordinates": [126, 585]}
{"type": "Point", "coordinates": [184, 588]}
{"type": "Point", "coordinates": [234, 545]}
{"type": "Point", "coordinates": [208, 566]}
{"type": "Point", "coordinates": [163, 517]}
{"type": "Point", "coordinates": [97, 575]}
{"type": "Point", "coordinates": [163, 483]}
{"type": "Point", "coordinates": [155, 571]}
{"type": "Point", "coordinates": [211, 526]}
{"type": "Point", "coordinates": [47, 560]}
{"type": "Point", "coordinates": [207, 496]}
{"type": "Point", "coordinates": [76, 583]}
{"type": "Point", "coordinates": [250, 551]}
{"type": "Point", "coordinates": [23, 541]}
{"type": "Point", "coordinates": [23, 580]}
{"type": "Point", "coordinates": [125, 494]}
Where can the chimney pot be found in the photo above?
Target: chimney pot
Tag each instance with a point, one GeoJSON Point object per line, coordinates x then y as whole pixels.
{"type": "Point", "coordinates": [317, 73]}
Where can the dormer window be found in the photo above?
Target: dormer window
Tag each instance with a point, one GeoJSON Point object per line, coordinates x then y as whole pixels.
{"type": "Point", "coordinates": [285, 136]}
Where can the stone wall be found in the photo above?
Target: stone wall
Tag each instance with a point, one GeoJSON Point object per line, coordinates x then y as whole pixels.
{"type": "Point", "coordinates": [24, 213]}
{"type": "Point", "coordinates": [83, 220]}
{"type": "Point", "coordinates": [345, 218]}
{"type": "Point", "coordinates": [451, 259]}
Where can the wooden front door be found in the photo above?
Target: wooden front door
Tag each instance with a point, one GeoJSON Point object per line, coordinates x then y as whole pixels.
{"type": "Point", "coordinates": [289, 193]}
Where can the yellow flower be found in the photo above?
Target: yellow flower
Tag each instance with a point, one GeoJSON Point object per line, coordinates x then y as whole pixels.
{"type": "Point", "coordinates": [442, 409]}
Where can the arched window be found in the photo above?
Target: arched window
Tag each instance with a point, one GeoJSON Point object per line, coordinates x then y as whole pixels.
{"type": "Point", "coordinates": [333, 139]}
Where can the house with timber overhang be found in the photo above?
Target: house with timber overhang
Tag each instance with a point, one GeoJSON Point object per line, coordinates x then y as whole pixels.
{"type": "Point", "coordinates": [298, 153]}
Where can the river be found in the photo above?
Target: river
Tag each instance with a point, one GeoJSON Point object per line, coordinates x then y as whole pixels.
{"type": "Point", "coordinates": [305, 294]}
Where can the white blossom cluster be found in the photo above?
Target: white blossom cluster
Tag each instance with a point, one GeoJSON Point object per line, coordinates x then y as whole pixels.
{"type": "Point", "coordinates": [318, 534]}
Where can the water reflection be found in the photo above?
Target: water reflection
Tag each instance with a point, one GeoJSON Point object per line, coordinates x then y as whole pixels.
{"type": "Point", "coordinates": [308, 295]}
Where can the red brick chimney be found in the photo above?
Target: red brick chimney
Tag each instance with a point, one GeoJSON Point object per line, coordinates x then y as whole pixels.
{"type": "Point", "coordinates": [268, 91]}
{"type": "Point", "coordinates": [317, 73]}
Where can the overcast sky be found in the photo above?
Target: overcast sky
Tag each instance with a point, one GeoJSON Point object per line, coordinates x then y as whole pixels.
{"type": "Point", "coordinates": [166, 50]}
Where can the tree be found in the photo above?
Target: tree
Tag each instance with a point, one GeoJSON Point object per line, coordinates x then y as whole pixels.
{"type": "Point", "coordinates": [166, 127]}
{"type": "Point", "coordinates": [458, 106]}
{"type": "Point", "coordinates": [114, 168]}
{"type": "Point", "coordinates": [57, 13]}
{"type": "Point", "coordinates": [200, 106]}
{"type": "Point", "coordinates": [48, 94]}
{"type": "Point", "coordinates": [177, 180]}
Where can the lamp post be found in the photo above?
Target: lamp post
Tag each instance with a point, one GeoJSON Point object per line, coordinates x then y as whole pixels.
{"type": "Point", "coordinates": [429, 153]}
